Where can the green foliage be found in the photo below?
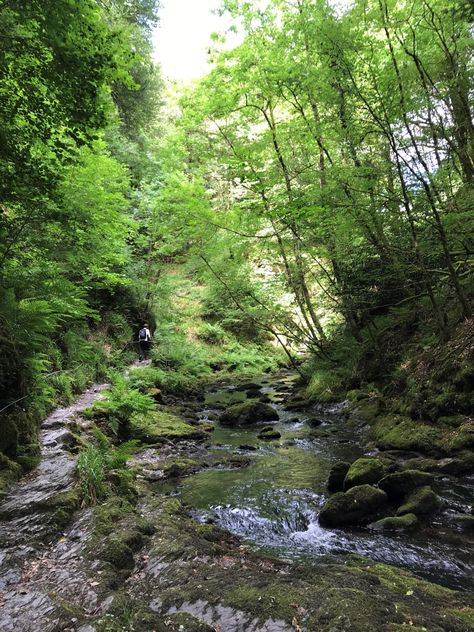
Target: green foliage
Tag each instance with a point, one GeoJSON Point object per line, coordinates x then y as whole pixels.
{"type": "Point", "coordinates": [120, 404]}
{"type": "Point", "coordinates": [102, 469]}
{"type": "Point", "coordinates": [212, 334]}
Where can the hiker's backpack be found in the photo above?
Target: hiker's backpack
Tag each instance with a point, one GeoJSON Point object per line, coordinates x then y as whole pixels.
{"type": "Point", "coordinates": [142, 334]}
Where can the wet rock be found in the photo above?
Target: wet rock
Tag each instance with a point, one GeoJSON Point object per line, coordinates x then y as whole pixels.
{"type": "Point", "coordinates": [399, 484]}
{"type": "Point", "coordinates": [248, 386]}
{"type": "Point", "coordinates": [265, 399]}
{"type": "Point", "coordinates": [406, 522]}
{"type": "Point", "coordinates": [314, 422]}
{"type": "Point", "coordinates": [337, 474]}
{"type": "Point", "coordinates": [364, 471]}
{"type": "Point", "coordinates": [248, 413]}
{"type": "Point", "coordinates": [356, 506]}
{"type": "Point", "coordinates": [268, 434]}
{"type": "Point", "coordinates": [253, 393]}
{"type": "Point", "coordinates": [421, 502]}
{"type": "Point", "coordinates": [465, 521]}
{"type": "Point", "coordinates": [249, 448]}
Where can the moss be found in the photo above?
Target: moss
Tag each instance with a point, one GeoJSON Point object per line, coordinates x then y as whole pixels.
{"type": "Point", "coordinates": [466, 614]}
{"type": "Point", "coordinates": [109, 513]}
{"type": "Point", "coordinates": [422, 502]}
{"type": "Point", "coordinates": [399, 484]}
{"type": "Point", "coordinates": [356, 395]}
{"type": "Point", "coordinates": [158, 426]}
{"type": "Point", "coordinates": [247, 413]}
{"type": "Point", "coordinates": [420, 463]}
{"type": "Point", "coordinates": [406, 522]}
{"type": "Point", "coordinates": [337, 475]}
{"type": "Point", "coordinates": [356, 506]}
{"type": "Point", "coordinates": [364, 471]}
{"type": "Point", "coordinates": [402, 581]}
{"type": "Point", "coordinates": [275, 601]}
{"type": "Point", "coordinates": [29, 456]}
{"type": "Point", "coordinates": [350, 608]}
{"type": "Point", "coordinates": [9, 473]}
{"type": "Point", "coordinates": [69, 500]}
{"type": "Point", "coordinates": [367, 410]}
{"type": "Point", "coordinates": [180, 467]}
{"type": "Point", "coordinates": [394, 432]}
{"type": "Point", "coordinates": [453, 421]}
{"type": "Point", "coordinates": [118, 553]}
{"type": "Point", "coordinates": [8, 436]}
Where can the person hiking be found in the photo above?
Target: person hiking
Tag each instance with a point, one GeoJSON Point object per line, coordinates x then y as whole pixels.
{"type": "Point", "coordinates": [144, 342]}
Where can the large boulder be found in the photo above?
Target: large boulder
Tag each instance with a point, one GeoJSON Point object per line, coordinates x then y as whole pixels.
{"type": "Point", "coordinates": [356, 506]}
{"type": "Point", "coordinates": [247, 413]}
{"type": "Point", "coordinates": [336, 477]}
{"type": "Point", "coordinates": [399, 484]}
{"type": "Point", "coordinates": [364, 471]}
{"type": "Point", "coordinates": [421, 502]}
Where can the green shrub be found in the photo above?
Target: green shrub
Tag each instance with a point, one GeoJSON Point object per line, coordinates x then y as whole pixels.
{"type": "Point", "coordinates": [212, 334]}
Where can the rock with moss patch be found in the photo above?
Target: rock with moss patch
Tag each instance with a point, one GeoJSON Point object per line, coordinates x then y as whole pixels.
{"type": "Point", "coordinates": [407, 522]}
{"type": "Point", "coordinates": [421, 502]}
{"type": "Point", "coordinates": [395, 432]}
{"type": "Point", "coordinates": [159, 426]}
{"type": "Point", "coordinates": [364, 471]}
{"type": "Point", "coordinates": [336, 477]}
{"type": "Point", "coordinates": [118, 553]}
{"type": "Point", "coordinates": [247, 413]}
{"type": "Point", "coordinates": [8, 437]}
{"type": "Point", "coordinates": [269, 433]}
{"type": "Point", "coordinates": [399, 484]}
{"type": "Point", "coordinates": [356, 506]}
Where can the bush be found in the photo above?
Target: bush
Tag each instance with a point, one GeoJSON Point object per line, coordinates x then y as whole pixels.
{"type": "Point", "coordinates": [212, 334]}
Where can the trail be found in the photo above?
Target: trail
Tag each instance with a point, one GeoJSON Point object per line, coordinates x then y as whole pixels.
{"type": "Point", "coordinates": [28, 531]}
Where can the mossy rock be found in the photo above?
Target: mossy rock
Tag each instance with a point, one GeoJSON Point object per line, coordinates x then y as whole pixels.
{"type": "Point", "coordinates": [156, 394]}
{"type": "Point", "coordinates": [28, 456]}
{"type": "Point", "coordinates": [367, 410]}
{"type": "Point", "coordinates": [421, 502]}
{"type": "Point", "coordinates": [180, 467]}
{"type": "Point", "coordinates": [159, 426]}
{"type": "Point", "coordinates": [395, 432]}
{"type": "Point", "coordinates": [9, 473]}
{"type": "Point", "coordinates": [461, 438]}
{"type": "Point", "coordinates": [398, 484]}
{"type": "Point", "coordinates": [407, 522]}
{"type": "Point", "coordinates": [356, 395]}
{"type": "Point", "coordinates": [247, 413]}
{"type": "Point", "coordinates": [337, 474]}
{"type": "Point", "coordinates": [364, 471]}
{"type": "Point", "coordinates": [452, 421]}
{"type": "Point", "coordinates": [8, 437]}
{"type": "Point", "coordinates": [118, 553]}
{"type": "Point", "coordinates": [420, 463]}
{"type": "Point", "coordinates": [269, 434]}
{"type": "Point", "coordinates": [356, 506]}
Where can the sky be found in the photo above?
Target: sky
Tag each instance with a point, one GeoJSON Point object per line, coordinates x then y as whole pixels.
{"type": "Point", "coordinates": [182, 38]}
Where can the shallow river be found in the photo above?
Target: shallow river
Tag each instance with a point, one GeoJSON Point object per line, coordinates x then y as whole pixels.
{"type": "Point", "coordinates": [273, 504]}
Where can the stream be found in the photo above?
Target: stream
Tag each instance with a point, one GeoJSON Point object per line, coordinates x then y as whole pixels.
{"type": "Point", "coordinates": [273, 504]}
{"type": "Point", "coordinates": [268, 493]}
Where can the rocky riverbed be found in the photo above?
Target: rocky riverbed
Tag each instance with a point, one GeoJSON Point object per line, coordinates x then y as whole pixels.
{"type": "Point", "coordinates": [223, 532]}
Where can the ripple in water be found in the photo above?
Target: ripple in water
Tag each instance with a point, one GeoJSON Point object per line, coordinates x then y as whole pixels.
{"type": "Point", "coordinates": [289, 526]}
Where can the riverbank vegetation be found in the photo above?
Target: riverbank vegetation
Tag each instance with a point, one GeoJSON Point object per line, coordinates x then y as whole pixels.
{"type": "Point", "coordinates": [307, 205]}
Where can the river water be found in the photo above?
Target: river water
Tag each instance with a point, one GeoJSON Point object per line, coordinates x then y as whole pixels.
{"type": "Point", "coordinates": [273, 504]}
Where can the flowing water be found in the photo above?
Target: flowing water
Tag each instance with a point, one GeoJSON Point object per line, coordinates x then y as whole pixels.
{"type": "Point", "coordinates": [273, 504]}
